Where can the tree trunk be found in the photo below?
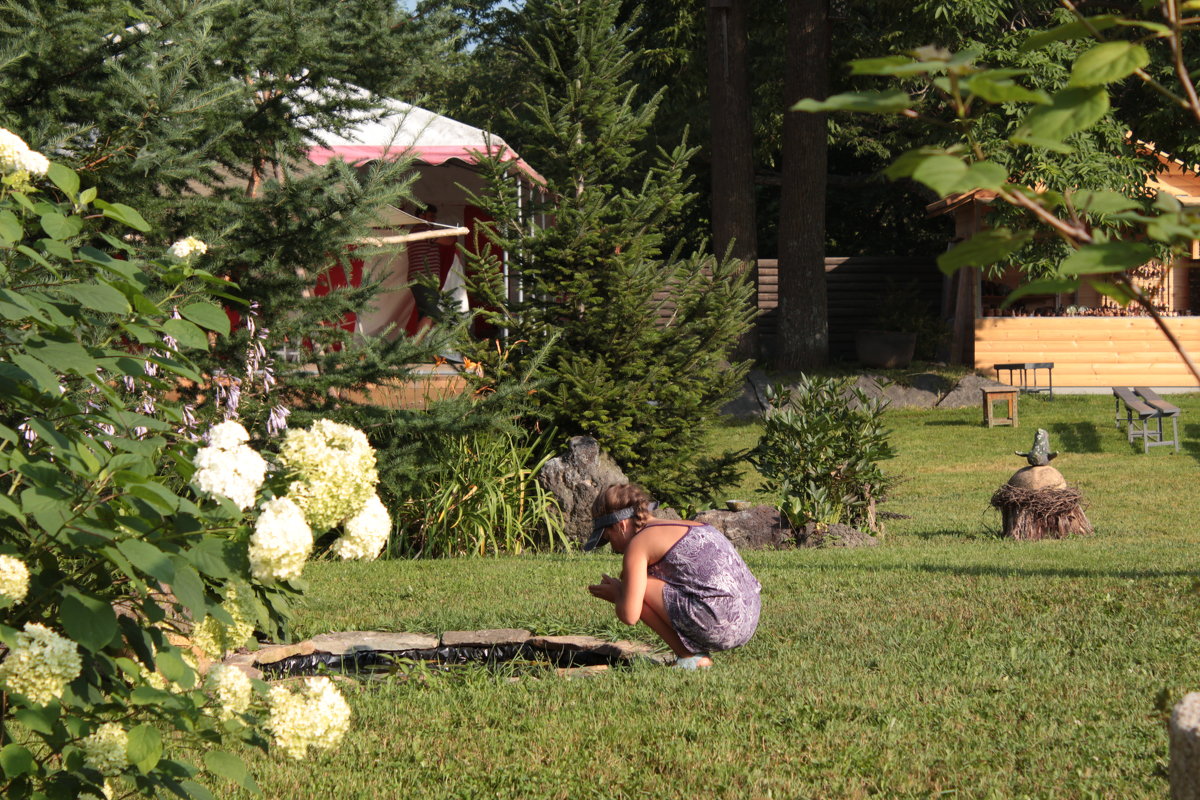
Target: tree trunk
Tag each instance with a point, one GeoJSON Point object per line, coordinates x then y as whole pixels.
{"type": "Point", "coordinates": [803, 339]}
{"type": "Point", "coordinates": [732, 141]}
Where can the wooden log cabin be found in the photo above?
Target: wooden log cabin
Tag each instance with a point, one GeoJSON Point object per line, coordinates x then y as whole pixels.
{"type": "Point", "coordinates": [1089, 338]}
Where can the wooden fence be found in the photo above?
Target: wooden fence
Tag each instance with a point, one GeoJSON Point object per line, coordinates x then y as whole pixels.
{"type": "Point", "coordinates": [1091, 351]}
{"type": "Point", "coordinates": [857, 289]}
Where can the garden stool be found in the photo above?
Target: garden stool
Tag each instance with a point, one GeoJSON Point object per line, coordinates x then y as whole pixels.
{"type": "Point", "coordinates": [1006, 393]}
{"type": "Point", "coordinates": [1025, 368]}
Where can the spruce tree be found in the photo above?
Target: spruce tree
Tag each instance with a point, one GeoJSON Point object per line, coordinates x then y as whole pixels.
{"type": "Point", "coordinates": [636, 339]}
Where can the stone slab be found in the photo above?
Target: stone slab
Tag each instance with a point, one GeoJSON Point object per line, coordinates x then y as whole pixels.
{"type": "Point", "coordinates": [273, 653]}
{"type": "Point", "coordinates": [485, 638]}
{"type": "Point", "coordinates": [357, 641]}
{"type": "Point", "coordinates": [569, 644]}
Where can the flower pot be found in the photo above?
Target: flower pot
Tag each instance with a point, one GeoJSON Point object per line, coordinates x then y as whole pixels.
{"type": "Point", "coordinates": [885, 349]}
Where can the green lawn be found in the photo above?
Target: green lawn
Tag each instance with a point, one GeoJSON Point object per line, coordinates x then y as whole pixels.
{"type": "Point", "coordinates": [945, 663]}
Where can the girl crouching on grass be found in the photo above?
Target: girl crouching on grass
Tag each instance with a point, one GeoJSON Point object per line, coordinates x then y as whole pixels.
{"type": "Point", "coordinates": [683, 579]}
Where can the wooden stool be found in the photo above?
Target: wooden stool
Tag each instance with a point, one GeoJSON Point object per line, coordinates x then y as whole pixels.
{"type": "Point", "coordinates": [993, 393]}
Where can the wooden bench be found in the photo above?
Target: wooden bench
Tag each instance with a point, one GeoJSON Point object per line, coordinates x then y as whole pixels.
{"type": "Point", "coordinates": [1144, 415]}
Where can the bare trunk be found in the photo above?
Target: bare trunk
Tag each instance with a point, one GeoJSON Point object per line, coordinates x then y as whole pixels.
{"type": "Point", "coordinates": [803, 340]}
{"type": "Point", "coordinates": [732, 140]}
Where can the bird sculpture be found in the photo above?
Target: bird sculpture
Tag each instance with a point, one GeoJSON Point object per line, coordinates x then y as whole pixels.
{"type": "Point", "coordinates": [1039, 454]}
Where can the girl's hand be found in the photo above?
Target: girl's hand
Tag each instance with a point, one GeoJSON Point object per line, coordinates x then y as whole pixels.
{"type": "Point", "coordinates": [609, 588]}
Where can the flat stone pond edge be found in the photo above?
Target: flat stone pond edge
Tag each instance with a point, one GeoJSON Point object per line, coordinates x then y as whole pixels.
{"type": "Point", "coordinates": [347, 651]}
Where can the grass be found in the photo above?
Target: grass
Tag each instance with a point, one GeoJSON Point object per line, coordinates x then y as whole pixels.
{"type": "Point", "coordinates": [946, 663]}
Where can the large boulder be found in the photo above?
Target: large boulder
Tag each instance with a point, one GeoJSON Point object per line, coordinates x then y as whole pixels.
{"type": "Point", "coordinates": [575, 478]}
{"type": "Point", "coordinates": [757, 528]}
{"type": "Point", "coordinates": [835, 535]}
{"type": "Point", "coordinates": [752, 401]}
{"type": "Point", "coordinates": [920, 394]}
{"type": "Point", "coordinates": [966, 393]}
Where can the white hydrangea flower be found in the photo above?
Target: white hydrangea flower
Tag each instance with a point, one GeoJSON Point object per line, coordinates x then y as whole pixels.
{"type": "Point", "coordinates": [40, 664]}
{"type": "Point", "coordinates": [109, 793]}
{"type": "Point", "coordinates": [14, 580]}
{"type": "Point", "coordinates": [232, 690]}
{"type": "Point", "coordinates": [104, 750]}
{"type": "Point", "coordinates": [186, 247]}
{"type": "Point", "coordinates": [236, 473]}
{"type": "Point", "coordinates": [316, 716]}
{"type": "Point", "coordinates": [227, 435]}
{"type": "Point", "coordinates": [34, 162]}
{"type": "Point", "coordinates": [215, 638]}
{"type": "Point", "coordinates": [335, 468]}
{"type": "Point", "coordinates": [15, 155]}
{"type": "Point", "coordinates": [366, 532]}
{"type": "Point", "coordinates": [281, 541]}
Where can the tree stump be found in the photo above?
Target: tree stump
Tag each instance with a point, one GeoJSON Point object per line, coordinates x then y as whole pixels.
{"type": "Point", "coordinates": [1036, 503]}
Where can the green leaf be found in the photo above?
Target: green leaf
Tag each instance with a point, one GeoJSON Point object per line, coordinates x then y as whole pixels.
{"type": "Point", "coordinates": [1115, 256]}
{"type": "Point", "coordinates": [1049, 144]}
{"type": "Point", "coordinates": [187, 334]}
{"type": "Point", "coordinates": [1102, 202]}
{"type": "Point", "coordinates": [208, 316]}
{"type": "Point", "coordinates": [984, 175]}
{"type": "Point", "coordinates": [196, 791]}
{"type": "Point", "coordinates": [148, 558]}
{"type": "Point", "coordinates": [42, 376]}
{"type": "Point", "coordinates": [1071, 111]}
{"type": "Point", "coordinates": [16, 760]}
{"type": "Point", "coordinates": [212, 556]}
{"type": "Point", "coordinates": [1119, 294]}
{"type": "Point", "coordinates": [58, 226]}
{"type": "Point", "coordinates": [87, 195]}
{"type": "Point", "coordinates": [98, 297]}
{"type": "Point", "coordinates": [90, 621]}
{"type": "Point", "coordinates": [144, 748]}
{"type": "Point", "coordinates": [895, 66]}
{"type": "Point", "coordinates": [174, 669]}
{"type": "Point", "coordinates": [996, 91]}
{"type": "Point", "coordinates": [39, 719]}
{"type": "Point", "coordinates": [879, 102]}
{"type": "Point", "coordinates": [227, 765]}
{"type": "Point", "coordinates": [123, 214]}
{"type": "Point", "coordinates": [1108, 62]}
{"type": "Point", "coordinates": [65, 356]}
{"type": "Point", "coordinates": [11, 229]}
{"type": "Point", "coordinates": [985, 247]}
{"type": "Point", "coordinates": [1042, 286]}
{"type": "Point", "coordinates": [188, 587]}
{"type": "Point", "coordinates": [1076, 29]}
{"type": "Point", "coordinates": [943, 174]}
{"type": "Point", "coordinates": [64, 178]}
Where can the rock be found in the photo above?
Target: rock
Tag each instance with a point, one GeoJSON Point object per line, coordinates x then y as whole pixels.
{"type": "Point", "coordinates": [1184, 769]}
{"type": "Point", "coordinates": [752, 402]}
{"type": "Point", "coordinates": [894, 394]}
{"type": "Point", "coordinates": [575, 478]}
{"type": "Point", "coordinates": [759, 528]}
{"type": "Point", "coordinates": [278, 652]}
{"type": "Point", "coordinates": [966, 393]}
{"type": "Point", "coordinates": [485, 638]}
{"type": "Point", "coordinates": [567, 644]}
{"type": "Point", "coordinates": [930, 382]}
{"type": "Point", "coordinates": [355, 641]}
{"type": "Point", "coordinates": [836, 535]}
{"type": "Point", "coordinates": [1037, 478]}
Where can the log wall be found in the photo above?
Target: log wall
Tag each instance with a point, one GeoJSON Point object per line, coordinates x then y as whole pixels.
{"type": "Point", "coordinates": [1091, 351]}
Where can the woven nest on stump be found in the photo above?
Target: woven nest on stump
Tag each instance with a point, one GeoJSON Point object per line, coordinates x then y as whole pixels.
{"type": "Point", "coordinates": [1031, 514]}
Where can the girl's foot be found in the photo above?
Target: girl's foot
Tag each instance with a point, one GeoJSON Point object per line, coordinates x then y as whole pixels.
{"type": "Point", "coordinates": [697, 661]}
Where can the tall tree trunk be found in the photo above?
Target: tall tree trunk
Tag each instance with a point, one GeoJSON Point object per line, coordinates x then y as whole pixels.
{"type": "Point", "coordinates": [803, 339]}
{"type": "Point", "coordinates": [732, 140]}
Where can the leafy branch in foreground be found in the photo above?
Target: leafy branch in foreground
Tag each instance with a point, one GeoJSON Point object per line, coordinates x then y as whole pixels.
{"type": "Point", "coordinates": [1107, 231]}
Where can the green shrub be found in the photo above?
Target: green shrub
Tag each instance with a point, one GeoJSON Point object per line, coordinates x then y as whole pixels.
{"type": "Point", "coordinates": [482, 496]}
{"type": "Point", "coordinates": [820, 450]}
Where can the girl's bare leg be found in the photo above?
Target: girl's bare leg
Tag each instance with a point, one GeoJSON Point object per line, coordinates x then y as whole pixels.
{"type": "Point", "coordinates": [654, 614]}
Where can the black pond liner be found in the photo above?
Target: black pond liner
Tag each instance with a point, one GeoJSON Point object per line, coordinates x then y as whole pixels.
{"type": "Point", "coordinates": [503, 657]}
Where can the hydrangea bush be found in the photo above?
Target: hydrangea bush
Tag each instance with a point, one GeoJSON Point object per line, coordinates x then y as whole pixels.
{"type": "Point", "coordinates": [132, 551]}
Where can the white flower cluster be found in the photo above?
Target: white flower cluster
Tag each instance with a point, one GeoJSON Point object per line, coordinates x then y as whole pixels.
{"type": "Point", "coordinates": [14, 580]}
{"type": "Point", "coordinates": [281, 541]}
{"type": "Point", "coordinates": [109, 793]}
{"type": "Point", "coordinates": [232, 689]}
{"type": "Point", "coordinates": [40, 664]}
{"type": "Point", "coordinates": [215, 638]}
{"type": "Point", "coordinates": [228, 466]}
{"type": "Point", "coordinates": [104, 750]}
{"type": "Point", "coordinates": [186, 247]}
{"type": "Point", "coordinates": [336, 473]}
{"type": "Point", "coordinates": [366, 532]}
{"type": "Point", "coordinates": [15, 155]}
{"type": "Point", "coordinates": [317, 716]}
